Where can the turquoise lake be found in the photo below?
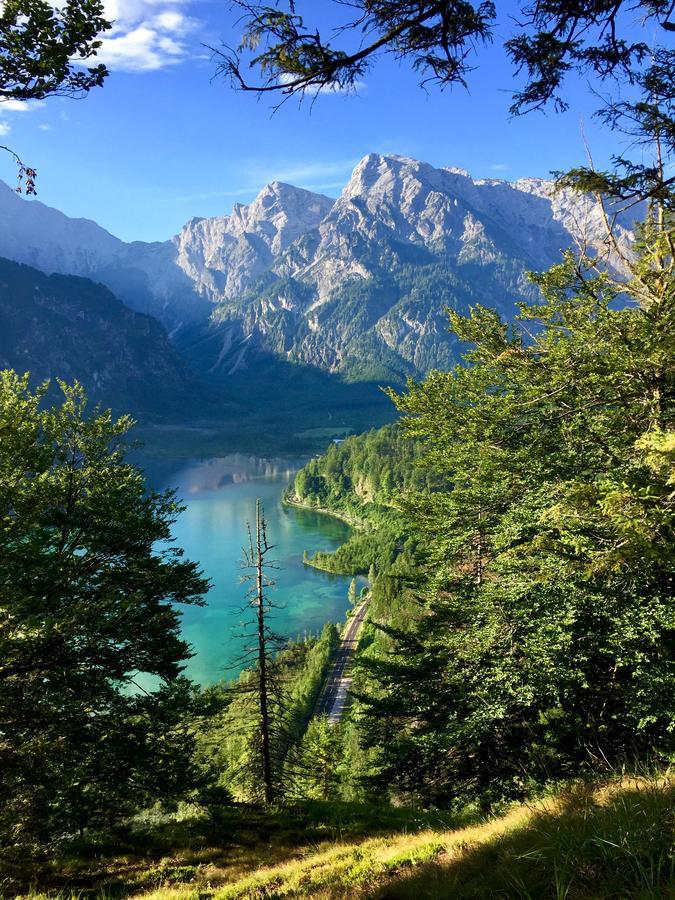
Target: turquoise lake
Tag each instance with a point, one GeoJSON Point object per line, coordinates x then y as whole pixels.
{"type": "Point", "coordinates": [220, 497]}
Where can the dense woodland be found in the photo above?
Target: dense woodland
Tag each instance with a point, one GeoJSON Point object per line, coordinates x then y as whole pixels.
{"type": "Point", "coordinates": [543, 579]}
{"type": "Point", "coordinates": [517, 526]}
{"type": "Point", "coordinates": [364, 472]}
{"type": "Point", "coordinates": [361, 479]}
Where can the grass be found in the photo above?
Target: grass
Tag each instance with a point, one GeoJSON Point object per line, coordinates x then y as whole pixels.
{"type": "Point", "coordinates": [586, 843]}
{"type": "Point", "coordinates": [195, 849]}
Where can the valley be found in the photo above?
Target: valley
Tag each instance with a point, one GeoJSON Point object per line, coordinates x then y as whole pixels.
{"type": "Point", "coordinates": [337, 508]}
{"type": "Point", "coordinates": [329, 299]}
{"type": "Point", "coordinates": [219, 497]}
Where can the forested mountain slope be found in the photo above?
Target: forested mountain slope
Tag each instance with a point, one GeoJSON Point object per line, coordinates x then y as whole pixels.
{"type": "Point", "coordinates": [522, 591]}
{"type": "Point", "coordinates": [64, 327]}
{"type": "Point", "coordinates": [356, 286]}
{"type": "Point", "coordinates": [362, 472]}
{"type": "Point", "coordinates": [362, 479]}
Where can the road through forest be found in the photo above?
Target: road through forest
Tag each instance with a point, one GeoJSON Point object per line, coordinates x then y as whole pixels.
{"type": "Point", "coordinates": [335, 695]}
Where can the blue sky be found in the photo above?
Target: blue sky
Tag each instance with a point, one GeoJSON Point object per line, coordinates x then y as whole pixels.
{"type": "Point", "coordinates": [163, 141]}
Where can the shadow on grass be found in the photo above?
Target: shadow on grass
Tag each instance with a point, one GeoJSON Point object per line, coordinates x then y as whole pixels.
{"type": "Point", "coordinates": [234, 840]}
{"type": "Point", "coordinates": [588, 844]}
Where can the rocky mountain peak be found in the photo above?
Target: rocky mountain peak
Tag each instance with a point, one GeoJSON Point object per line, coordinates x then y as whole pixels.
{"type": "Point", "coordinates": [396, 198]}
{"type": "Point", "coordinates": [454, 170]}
{"type": "Point", "coordinates": [224, 255]}
{"type": "Point", "coordinates": [279, 214]}
{"type": "Point", "coordinates": [398, 190]}
{"type": "Point", "coordinates": [380, 174]}
{"type": "Point", "coordinates": [323, 281]}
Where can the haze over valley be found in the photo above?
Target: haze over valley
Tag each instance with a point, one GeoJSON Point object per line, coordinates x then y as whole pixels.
{"type": "Point", "coordinates": [331, 298]}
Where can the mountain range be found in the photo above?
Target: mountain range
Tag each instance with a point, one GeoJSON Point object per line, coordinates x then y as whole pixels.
{"type": "Point", "coordinates": [356, 287]}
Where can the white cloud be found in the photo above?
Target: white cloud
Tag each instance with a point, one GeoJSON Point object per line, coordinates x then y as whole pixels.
{"type": "Point", "coordinates": [357, 87]}
{"type": "Point", "coordinates": [171, 20]}
{"type": "Point", "coordinates": [499, 167]}
{"type": "Point", "coordinates": [44, 127]}
{"type": "Point", "coordinates": [8, 107]}
{"type": "Point", "coordinates": [146, 35]}
{"type": "Point", "coordinates": [142, 49]}
{"type": "Point", "coordinates": [19, 105]}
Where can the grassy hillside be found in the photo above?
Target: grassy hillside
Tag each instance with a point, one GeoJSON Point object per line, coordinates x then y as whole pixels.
{"type": "Point", "coordinates": [587, 842]}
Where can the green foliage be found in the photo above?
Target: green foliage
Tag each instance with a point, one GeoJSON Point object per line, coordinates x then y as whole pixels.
{"type": "Point", "coordinates": [588, 844]}
{"type": "Point", "coordinates": [438, 38]}
{"type": "Point", "coordinates": [362, 551]}
{"type": "Point", "coordinates": [310, 405]}
{"type": "Point", "coordinates": [545, 642]}
{"type": "Point", "coordinates": [431, 34]}
{"type": "Point", "coordinates": [360, 478]}
{"type": "Point", "coordinates": [76, 328]}
{"type": "Point", "coordinates": [584, 843]}
{"type": "Point", "coordinates": [167, 875]}
{"type": "Point", "coordinates": [353, 593]}
{"type": "Point", "coordinates": [89, 587]}
{"type": "Point", "coordinates": [315, 768]}
{"type": "Point", "coordinates": [228, 743]}
{"type": "Point", "coordinates": [362, 473]}
{"type": "Point", "coordinates": [42, 48]}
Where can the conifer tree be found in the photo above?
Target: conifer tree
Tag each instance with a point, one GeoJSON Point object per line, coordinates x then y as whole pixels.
{"type": "Point", "coordinates": [317, 763]}
{"type": "Point", "coordinates": [353, 594]}
{"type": "Point", "coordinates": [263, 728]}
{"type": "Point", "coordinates": [441, 40]}
{"type": "Point", "coordinates": [543, 643]}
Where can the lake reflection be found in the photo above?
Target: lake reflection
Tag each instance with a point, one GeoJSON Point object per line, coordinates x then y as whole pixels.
{"type": "Point", "coordinates": [220, 495]}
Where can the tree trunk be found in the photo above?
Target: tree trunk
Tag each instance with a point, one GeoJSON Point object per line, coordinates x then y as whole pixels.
{"type": "Point", "coordinates": [262, 662]}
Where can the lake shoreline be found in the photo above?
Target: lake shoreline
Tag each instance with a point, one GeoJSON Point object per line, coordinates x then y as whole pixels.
{"type": "Point", "coordinates": [352, 521]}
{"type": "Point", "coordinates": [218, 497]}
{"type": "Point", "coordinates": [293, 502]}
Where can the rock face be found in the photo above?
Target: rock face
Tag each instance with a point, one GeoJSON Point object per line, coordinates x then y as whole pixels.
{"type": "Point", "coordinates": [357, 285]}
{"type": "Point", "coordinates": [224, 256]}
{"type": "Point", "coordinates": [365, 291]}
{"type": "Point", "coordinates": [62, 326]}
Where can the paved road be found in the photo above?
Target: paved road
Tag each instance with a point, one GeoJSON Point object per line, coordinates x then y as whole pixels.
{"type": "Point", "coordinates": [334, 698]}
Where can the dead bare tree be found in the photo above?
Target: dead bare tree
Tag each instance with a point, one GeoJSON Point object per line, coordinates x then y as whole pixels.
{"type": "Point", "coordinates": [257, 561]}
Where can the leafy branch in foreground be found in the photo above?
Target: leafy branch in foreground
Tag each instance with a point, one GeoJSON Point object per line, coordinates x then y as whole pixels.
{"type": "Point", "coordinates": [26, 175]}
{"type": "Point", "coordinates": [43, 48]}
{"type": "Point", "coordinates": [437, 36]}
{"type": "Point", "coordinates": [439, 39]}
